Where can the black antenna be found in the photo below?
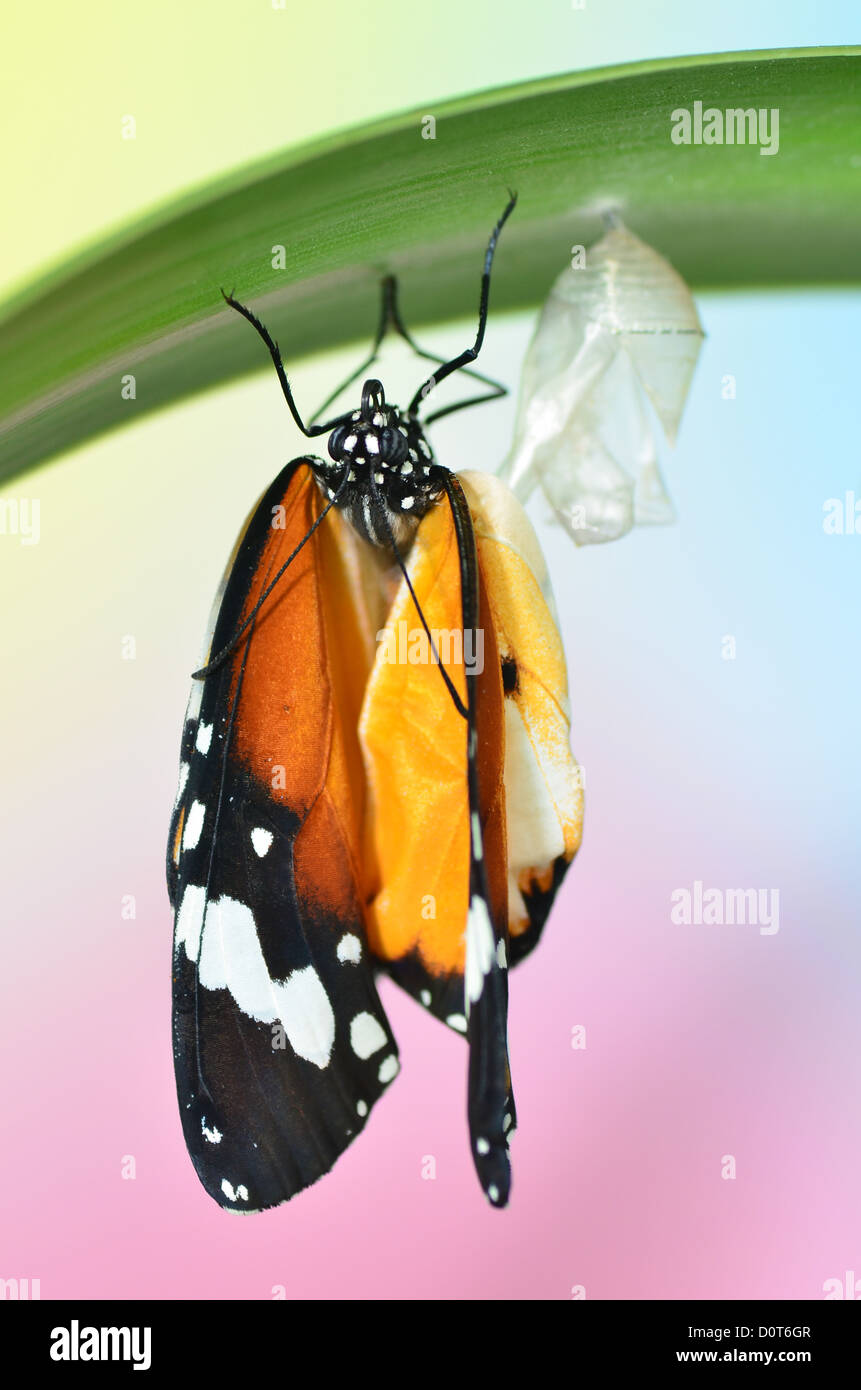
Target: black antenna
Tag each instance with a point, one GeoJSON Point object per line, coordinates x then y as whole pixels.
{"type": "Point", "coordinates": [469, 354]}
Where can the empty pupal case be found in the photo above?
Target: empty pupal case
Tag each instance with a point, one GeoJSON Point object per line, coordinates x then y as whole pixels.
{"type": "Point", "coordinates": [617, 330]}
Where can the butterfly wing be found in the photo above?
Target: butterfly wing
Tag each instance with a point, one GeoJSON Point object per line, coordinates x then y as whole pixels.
{"type": "Point", "coordinates": [543, 783]}
{"type": "Point", "coordinates": [490, 1105]}
{"type": "Point", "coordinates": [281, 1044]}
{"type": "Point", "coordinates": [435, 857]}
{"type": "Point", "coordinates": [467, 845]}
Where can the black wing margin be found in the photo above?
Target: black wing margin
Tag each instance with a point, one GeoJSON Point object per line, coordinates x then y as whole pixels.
{"type": "Point", "coordinates": [490, 1102]}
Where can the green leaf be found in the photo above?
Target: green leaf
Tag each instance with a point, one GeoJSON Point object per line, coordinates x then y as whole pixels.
{"type": "Point", "coordinates": [381, 198]}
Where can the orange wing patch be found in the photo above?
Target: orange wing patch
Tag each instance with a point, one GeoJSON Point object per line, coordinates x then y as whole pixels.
{"type": "Point", "coordinates": [302, 684]}
{"type": "Point", "coordinates": [177, 834]}
{"type": "Point", "coordinates": [415, 749]}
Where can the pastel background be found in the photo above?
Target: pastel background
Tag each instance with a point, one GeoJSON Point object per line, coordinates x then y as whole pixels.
{"type": "Point", "coordinates": [701, 1041]}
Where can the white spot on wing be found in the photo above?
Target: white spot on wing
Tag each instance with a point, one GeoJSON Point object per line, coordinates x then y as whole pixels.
{"type": "Point", "coordinates": [362, 1108]}
{"type": "Point", "coordinates": [213, 1135]}
{"type": "Point", "coordinates": [238, 1194]}
{"type": "Point", "coordinates": [307, 1015]}
{"type": "Point", "coordinates": [425, 997]}
{"type": "Point", "coordinates": [231, 958]}
{"type": "Point", "coordinates": [193, 825]}
{"type": "Point", "coordinates": [204, 738]}
{"type": "Point", "coordinates": [261, 839]}
{"type": "Point", "coordinates": [183, 778]}
{"type": "Point", "coordinates": [457, 1021]}
{"type": "Point", "coordinates": [389, 1068]}
{"type": "Point", "coordinates": [189, 921]}
{"type": "Point", "coordinates": [482, 1146]}
{"type": "Point", "coordinates": [195, 698]}
{"type": "Point", "coordinates": [366, 1035]}
{"type": "Point", "coordinates": [480, 948]}
{"type": "Point", "coordinates": [349, 949]}
{"type": "Point", "coordinates": [500, 955]}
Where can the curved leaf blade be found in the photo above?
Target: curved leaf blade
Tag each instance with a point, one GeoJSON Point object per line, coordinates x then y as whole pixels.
{"type": "Point", "coordinates": [378, 199]}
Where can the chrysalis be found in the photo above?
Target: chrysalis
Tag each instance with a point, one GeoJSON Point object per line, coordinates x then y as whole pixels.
{"type": "Point", "coordinates": [621, 329]}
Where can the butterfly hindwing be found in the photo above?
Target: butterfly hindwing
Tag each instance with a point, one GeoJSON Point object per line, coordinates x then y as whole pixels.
{"type": "Point", "coordinates": [543, 783]}
{"type": "Point", "coordinates": [281, 1044]}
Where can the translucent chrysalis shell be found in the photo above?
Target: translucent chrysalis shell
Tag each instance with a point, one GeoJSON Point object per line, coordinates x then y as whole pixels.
{"type": "Point", "coordinates": [618, 330]}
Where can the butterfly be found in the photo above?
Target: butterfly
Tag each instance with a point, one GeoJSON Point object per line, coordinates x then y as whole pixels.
{"type": "Point", "coordinates": [375, 777]}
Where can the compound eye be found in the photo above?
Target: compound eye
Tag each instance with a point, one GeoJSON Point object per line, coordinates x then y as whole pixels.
{"type": "Point", "coordinates": [336, 443]}
{"type": "Point", "coordinates": [393, 446]}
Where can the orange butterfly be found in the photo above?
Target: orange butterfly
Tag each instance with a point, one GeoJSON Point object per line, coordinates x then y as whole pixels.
{"type": "Point", "coordinates": [375, 775]}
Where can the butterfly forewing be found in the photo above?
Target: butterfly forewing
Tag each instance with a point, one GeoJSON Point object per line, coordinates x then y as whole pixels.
{"type": "Point", "coordinates": [281, 1044]}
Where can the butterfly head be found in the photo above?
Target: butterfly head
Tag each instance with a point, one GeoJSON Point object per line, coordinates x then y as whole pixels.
{"type": "Point", "coordinates": [373, 435]}
{"type": "Point", "coordinates": [383, 470]}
